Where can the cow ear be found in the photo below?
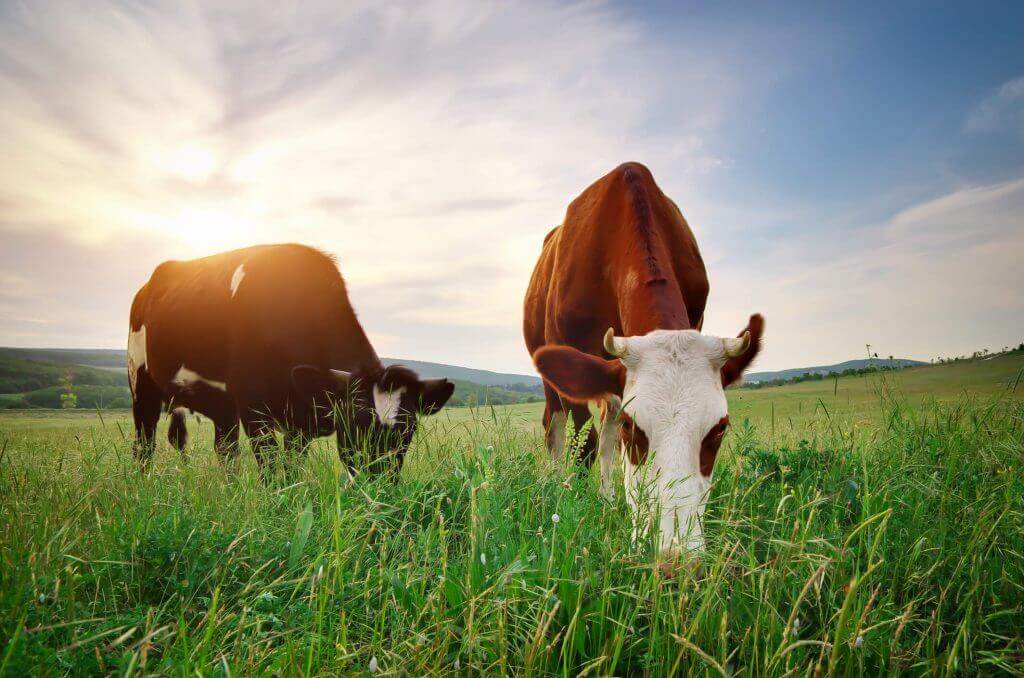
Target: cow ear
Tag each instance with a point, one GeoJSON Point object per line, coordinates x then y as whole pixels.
{"type": "Point", "coordinates": [318, 385]}
{"type": "Point", "coordinates": [434, 394]}
{"type": "Point", "coordinates": [734, 367]}
{"type": "Point", "coordinates": [579, 376]}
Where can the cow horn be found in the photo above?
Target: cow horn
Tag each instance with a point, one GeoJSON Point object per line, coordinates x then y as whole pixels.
{"type": "Point", "coordinates": [734, 348]}
{"type": "Point", "coordinates": [614, 345]}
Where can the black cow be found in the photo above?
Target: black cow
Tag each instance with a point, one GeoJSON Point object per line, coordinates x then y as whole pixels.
{"type": "Point", "coordinates": [266, 337]}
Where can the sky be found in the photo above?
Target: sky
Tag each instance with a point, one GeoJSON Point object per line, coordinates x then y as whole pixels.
{"type": "Point", "coordinates": [855, 173]}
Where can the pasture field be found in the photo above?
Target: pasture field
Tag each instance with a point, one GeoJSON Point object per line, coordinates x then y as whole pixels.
{"type": "Point", "coordinates": [859, 527]}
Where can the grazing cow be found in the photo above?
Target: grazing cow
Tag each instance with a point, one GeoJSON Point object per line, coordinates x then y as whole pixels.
{"type": "Point", "coordinates": [613, 316]}
{"type": "Point", "coordinates": [266, 337]}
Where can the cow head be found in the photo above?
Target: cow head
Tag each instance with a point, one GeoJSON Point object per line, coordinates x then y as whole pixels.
{"type": "Point", "coordinates": [674, 412]}
{"type": "Point", "coordinates": [374, 413]}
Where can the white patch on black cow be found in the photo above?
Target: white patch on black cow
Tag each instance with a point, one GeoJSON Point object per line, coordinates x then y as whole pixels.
{"type": "Point", "coordinates": [186, 377]}
{"type": "Point", "coordinates": [236, 278]}
{"type": "Point", "coordinates": [387, 404]}
{"type": "Point", "coordinates": [136, 354]}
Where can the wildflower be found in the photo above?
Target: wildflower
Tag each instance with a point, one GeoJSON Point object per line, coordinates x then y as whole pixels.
{"type": "Point", "coordinates": [42, 597]}
{"type": "Point", "coordinates": [796, 626]}
{"type": "Point", "coordinates": [373, 665]}
{"type": "Point", "coordinates": [267, 596]}
{"type": "Point", "coordinates": [458, 663]}
{"type": "Point", "coordinates": [555, 518]}
{"type": "Point", "coordinates": [483, 558]}
{"type": "Point", "coordinates": [859, 641]}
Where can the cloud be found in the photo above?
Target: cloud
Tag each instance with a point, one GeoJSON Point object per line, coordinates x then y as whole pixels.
{"type": "Point", "coordinates": [1002, 111]}
{"type": "Point", "coordinates": [431, 146]}
{"type": "Point", "coordinates": [435, 142]}
{"type": "Point", "coordinates": [936, 278]}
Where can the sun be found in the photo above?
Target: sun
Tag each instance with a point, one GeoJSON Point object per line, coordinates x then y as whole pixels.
{"type": "Point", "coordinates": [208, 229]}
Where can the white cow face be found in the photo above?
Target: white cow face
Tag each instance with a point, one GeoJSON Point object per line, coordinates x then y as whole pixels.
{"type": "Point", "coordinates": [373, 413]}
{"type": "Point", "coordinates": [673, 405]}
{"type": "Point", "coordinates": [673, 393]}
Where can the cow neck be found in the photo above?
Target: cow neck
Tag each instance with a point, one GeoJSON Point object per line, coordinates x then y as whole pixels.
{"type": "Point", "coordinates": [353, 351]}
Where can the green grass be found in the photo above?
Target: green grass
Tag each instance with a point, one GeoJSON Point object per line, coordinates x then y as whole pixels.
{"type": "Point", "coordinates": [864, 527]}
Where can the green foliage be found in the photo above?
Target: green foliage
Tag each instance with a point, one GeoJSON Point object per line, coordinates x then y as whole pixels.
{"type": "Point", "coordinates": [854, 550]}
{"type": "Point", "coordinates": [68, 399]}
{"type": "Point", "coordinates": [818, 376]}
{"type": "Point", "coordinates": [19, 375]}
{"type": "Point", "coordinates": [88, 397]}
{"type": "Point", "coordinates": [469, 394]}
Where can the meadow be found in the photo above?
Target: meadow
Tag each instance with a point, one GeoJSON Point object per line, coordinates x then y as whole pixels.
{"type": "Point", "coordinates": [858, 526]}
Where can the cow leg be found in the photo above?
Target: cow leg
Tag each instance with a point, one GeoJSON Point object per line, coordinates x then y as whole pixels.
{"type": "Point", "coordinates": [587, 450]}
{"type": "Point", "coordinates": [147, 401]}
{"type": "Point", "coordinates": [554, 423]}
{"type": "Point", "coordinates": [608, 444]}
{"type": "Point", "coordinates": [261, 439]}
{"type": "Point", "coordinates": [225, 440]}
{"type": "Point", "coordinates": [177, 432]}
{"type": "Point", "coordinates": [295, 445]}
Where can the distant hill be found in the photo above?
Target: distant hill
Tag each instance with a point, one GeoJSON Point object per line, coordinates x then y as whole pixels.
{"type": "Point", "coordinates": [115, 358]}
{"type": "Point", "coordinates": [105, 358]}
{"type": "Point", "coordinates": [880, 363]}
{"type": "Point", "coordinates": [485, 377]}
{"type": "Point", "coordinates": [31, 377]}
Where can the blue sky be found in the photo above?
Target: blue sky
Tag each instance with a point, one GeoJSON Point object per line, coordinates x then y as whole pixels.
{"type": "Point", "coordinates": [855, 173]}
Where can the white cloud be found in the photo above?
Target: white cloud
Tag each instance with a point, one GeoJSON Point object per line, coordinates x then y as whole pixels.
{"type": "Point", "coordinates": [430, 145]}
{"type": "Point", "coordinates": [938, 278]}
{"type": "Point", "coordinates": [1002, 111]}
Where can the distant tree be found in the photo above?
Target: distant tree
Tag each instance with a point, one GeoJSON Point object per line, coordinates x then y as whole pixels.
{"type": "Point", "coordinates": [68, 399]}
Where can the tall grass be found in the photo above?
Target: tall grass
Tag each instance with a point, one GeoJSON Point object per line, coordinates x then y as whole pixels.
{"type": "Point", "coordinates": [856, 551]}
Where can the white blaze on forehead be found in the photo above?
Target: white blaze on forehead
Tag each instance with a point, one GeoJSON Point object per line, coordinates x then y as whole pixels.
{"type": "Point", "coordinates": [386, 404]}
{"type": "Point", "coordinates": [136, 354]}
{"type": "Point", "coordinates": [236, 278]}
{"type": "Point", "coordinates": [186, 377]}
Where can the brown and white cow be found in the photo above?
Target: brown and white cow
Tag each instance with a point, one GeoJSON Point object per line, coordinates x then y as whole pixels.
{"type": "Point", "coordinates": [613, 316]}
{"type": "Point", "coordinates": [266, 337]}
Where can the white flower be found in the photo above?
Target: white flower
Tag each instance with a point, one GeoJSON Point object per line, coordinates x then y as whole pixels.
{"type": "Point", "coordinates": [555, 518]}
{"type": "Point", "coordinates": [483, 558]}
{"type": "Point", "coordinates": [373, 665]}
{"type": "Point", "coordinates": [458, 663]}
{"type": "Point", "coordinates": [859, 641]}
{"type": "Point", "coordinates": [796, 626]}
